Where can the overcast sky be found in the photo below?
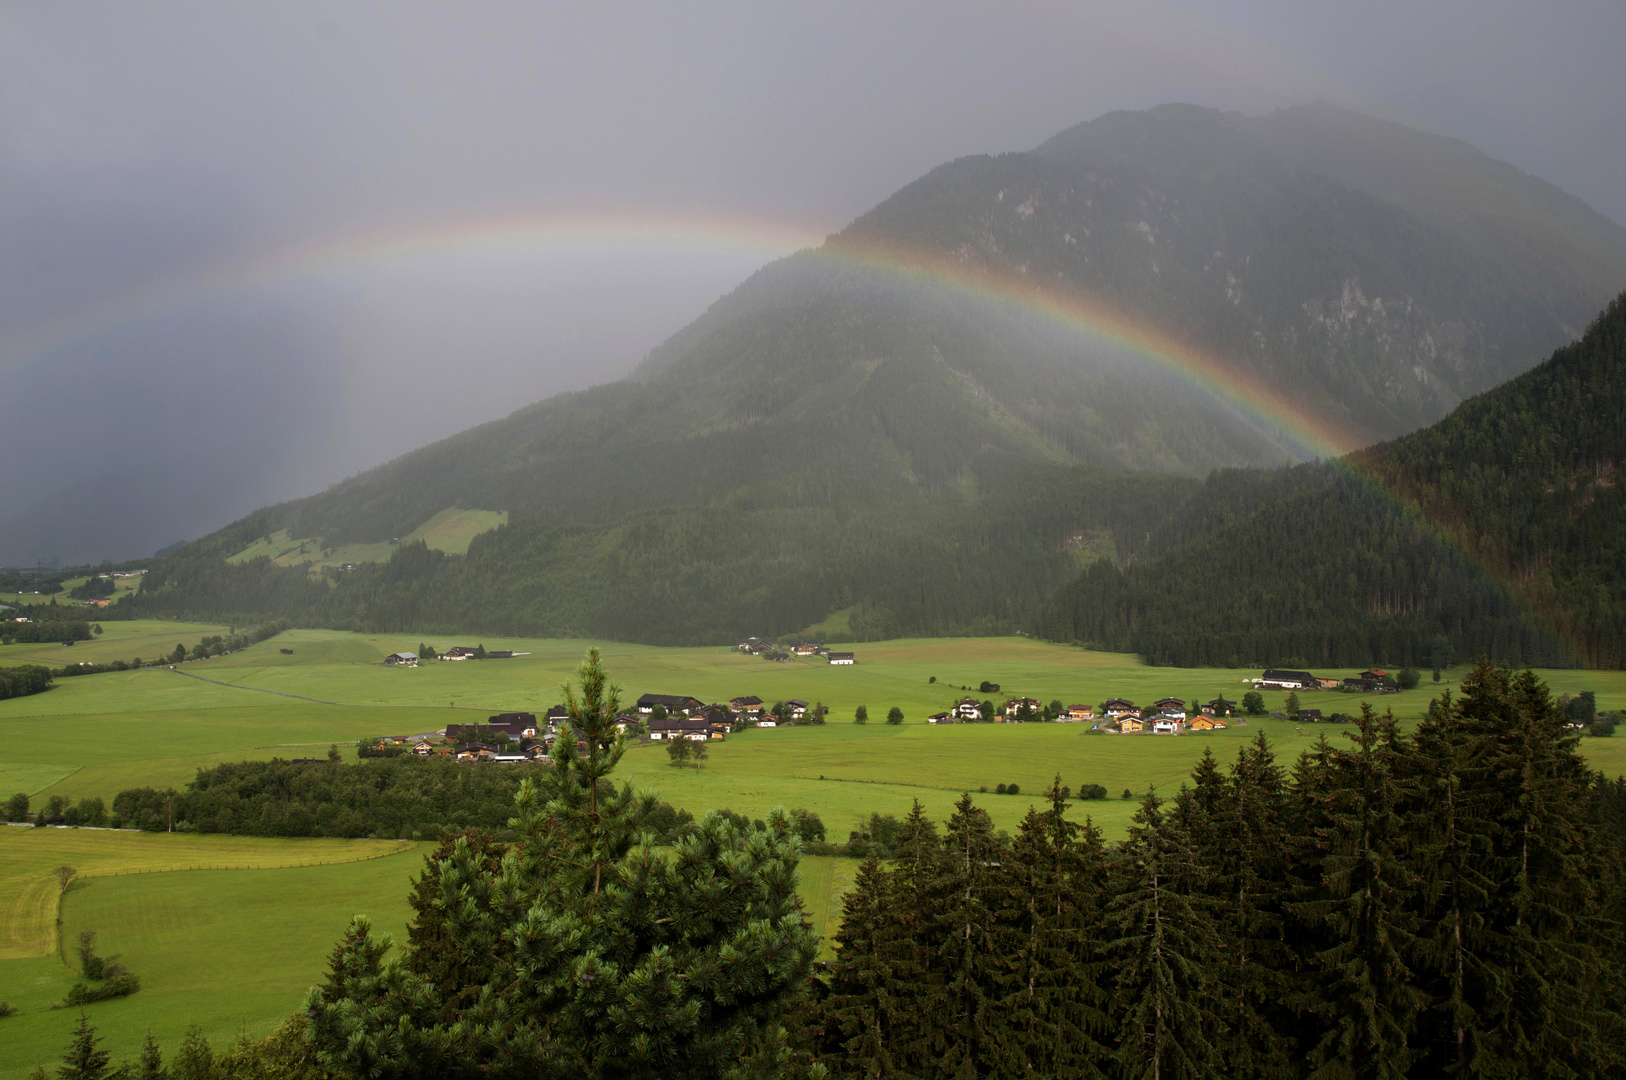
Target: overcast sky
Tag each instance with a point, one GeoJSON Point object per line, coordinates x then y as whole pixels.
{"type": "Point", "coordinates": [248, 251]}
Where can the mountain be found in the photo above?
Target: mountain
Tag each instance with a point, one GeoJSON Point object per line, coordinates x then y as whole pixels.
{"type": "Point", "coordinates": [1500, 531]}
{"type": "Point", "coordinates": [1012, 368]}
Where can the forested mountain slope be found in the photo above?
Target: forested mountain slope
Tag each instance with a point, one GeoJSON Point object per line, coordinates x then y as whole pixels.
{"type": "Point", "coordinates": [874, 428]}
{"type": "Point", "coordinates": [1500, 530]}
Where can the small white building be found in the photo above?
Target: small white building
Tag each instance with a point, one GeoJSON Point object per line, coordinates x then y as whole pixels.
{"type": "Point", "coordinates": [841, 658]}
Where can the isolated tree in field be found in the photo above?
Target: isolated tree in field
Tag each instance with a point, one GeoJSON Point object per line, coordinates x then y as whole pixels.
{"type": "Point", "coordinates": [698, 751]}
{"type": "Point", "coordinates": [603, 958]}
{"type": "Point", "coordinates": [679, 750]}
{"type": "Point", "coordinates": [17, 807]}
{"type": "Point", "coordinates": [1408, 678]}
{"type": "Point", "coordinates": [1253, 703]}
{"type": "Point", "coordinates": [1291, 707]}
{"type": "Point", "coordinates": [85, 1060]}
{"type": "Point", "coordinates": [894, 715]}
{"type": "Point", "coordinates": [861, 715]}
{"type": "Point", "coordinates": [64, 875]}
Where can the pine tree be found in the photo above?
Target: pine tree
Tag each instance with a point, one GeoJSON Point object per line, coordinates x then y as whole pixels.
{"type": "Point", "coordinates": [195, 1060]}
{"type": "Point", "coordinates": [1548, 952]}
{"type": "Point", "coordinates": [151, 1066]}
{"type": "Point", "coordinates": [959, 903]}
{"type": "Point", "coordinates": [1247, 883]}
{"type": "Point", "coordinates": [1448, 817]}
{"type": "Point", "coordinates": [863, 1009]}
{"type": "Point", "coordinates": [1052, 1005]}
{"type": "Point", "coordinates": [1164, 947]}
{"type": "Point", "coordinates": [1362, 993]}
{"type": "Point", "coordinates": [85, 1060]}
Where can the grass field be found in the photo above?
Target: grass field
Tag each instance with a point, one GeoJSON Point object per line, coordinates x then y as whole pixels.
{"type": "Point", "coordinates": [190, 934]}
{"type": "Point", "coordinates": [275, 908]}
{"type": "Point", "coordinates": [450, 530]}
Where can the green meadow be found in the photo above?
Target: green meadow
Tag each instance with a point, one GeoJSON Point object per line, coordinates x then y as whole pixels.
{"type": "Point", "coordinates": [190, 914]}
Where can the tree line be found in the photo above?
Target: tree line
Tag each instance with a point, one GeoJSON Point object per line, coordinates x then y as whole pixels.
{"type": "Point", "coordinates": [1436, 904]}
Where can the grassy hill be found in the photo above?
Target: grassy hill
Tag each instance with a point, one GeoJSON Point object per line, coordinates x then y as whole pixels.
{"type": "Point", "coordinates": [871, 428]}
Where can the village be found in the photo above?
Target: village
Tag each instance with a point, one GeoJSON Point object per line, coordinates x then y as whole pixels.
{"type": "Point", "coordinates": [522, 736]}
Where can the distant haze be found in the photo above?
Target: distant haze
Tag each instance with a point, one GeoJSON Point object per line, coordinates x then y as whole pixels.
{"type": "Point", "coordinates": [245, 252]}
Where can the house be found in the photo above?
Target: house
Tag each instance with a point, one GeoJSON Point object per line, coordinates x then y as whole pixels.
{"type": "Point", "coordinates": [1128, 724]}
{"type": "Point", "coordinates": [768, 721]}
{"type": "Point", "coordinates": [1076, 714]}
{"type": "Point", "coordinates": [1327, 684]}
{"type": "Point", "coordinates": [968, 709]}
{"type": "Point", "coordinates": [557, 715]}
{"type": "Point", "coordinates": [749, 644]}
{"type": "Point", "coordinates": [1220, 707]}
{"type": "Point", "coordinates": [798, 708]}
{"type": "Point", "coordinates": [841, 658]}
{"type": "Point", "coordinates": [1375, 675]}
{"type": "Point", "coordinates": [1277, 679]}
{"type": "Point", "coordinates": [1169, 704]}
{"type": "Point", "coordinates": [402, 659]}
{"type": "Point", "coordinates": [1165, 727]}
{"type": "Point", "coordinates": [1310, 716]}
{"type": "Point", "coordinates": [1116, 707]}
{"type": "Point", "coordinates": [511, 759]}
{"type": "Point", "coordinates": [1205, 723]}
{"type": "Point", "coordinates": [751, 705]}
{"type": "Point", "coordinates": [674, 703]}
{"type": "Point", "coordinates": [680, 727]}
{"type": "Point", "coordinates": [940, 718]}
{"type": "Point", "coordinates": [805, 648]}
{"type": "Point", "coordinates": [537, 752]}
{"type": "Point", "coordinates": [458, 652]}
{"type": "Point", "coordinates": [423, 749]}
{"type": "Point", "coordinates": [1013, 708]}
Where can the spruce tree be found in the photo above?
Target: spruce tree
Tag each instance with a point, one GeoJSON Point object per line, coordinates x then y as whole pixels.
{"type": "Point", "coordinates": [1551, 957]}
{"type": "Point", "coordinates": [1164, 948]}
{"type": "Point", "coordinates": [151, 1065]}
{"type": "Point", "coordinates": [1448, 818]}
{"type": "Point", "coordinates": [959, 902]}
{"type": "Point", "coordinates": [1052, 1005]}
{"type": "Point", "coordinates": [1362, 996]}
{"type": "Point", "coordinates": [85, 1059]}
{"type": "Point", "coordinates": [1247, 882]}
{"type": "Point", "coordinates": [195, 1060]}
{"type": "Point", "coordinates": [863, 1011]}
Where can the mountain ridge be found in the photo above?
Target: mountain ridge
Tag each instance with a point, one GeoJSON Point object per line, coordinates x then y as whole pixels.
{"type": "Point", "coordinates": [846, 430]}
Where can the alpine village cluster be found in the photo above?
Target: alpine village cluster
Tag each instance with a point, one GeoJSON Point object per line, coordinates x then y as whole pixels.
{"type": "Point", "coordinates": [514, 737]}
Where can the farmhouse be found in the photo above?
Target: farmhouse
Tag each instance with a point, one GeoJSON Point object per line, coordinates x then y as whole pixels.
{"type": "Point", "coordinates": [1165, 727]}
{"type": "Point", "coordinates": [940, 718]}
{"type": "Point", "coordinates": [458, 652]}
{"type": "Point", "coordinates": [1276, 679]}
{"type": "Point", "coordinates": [680, 727]}
{"type": "Point", "coordinates": [402, 659]}
{"type": "Point", "coordinates": [1076, 714]}
{"type": "Point", "coordinates": [805, 648]}
{"type": "Point", "coordinates": [751, 705]}
{"type": "Point", "coordinates": [841, 658]}
{"type": "Point", "coordinates": [1207, 723]}
{"type": "Point", "coordinates": [557, 715]}
{"type": "Point", "coordinates": [1130, 724]}
{"type": "Point", "coordinates": [968, 709]}
{"type": "Point", "coordinates": [798, 708]}
{"type": "Point", "coordinates": [1310, 716]}
{"type": "Point", "coordinates": [1116, 707]}
{"type": "Point", "coordinates": [1220, 707]}
{"type": "Point", "coordinates": [1014, 707]}
{"type": "Point", "coordinates": [673, 703]}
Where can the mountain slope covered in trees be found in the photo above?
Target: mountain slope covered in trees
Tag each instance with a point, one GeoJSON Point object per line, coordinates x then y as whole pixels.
{"type": "Point", "coordinates": [875, 429]}
{"type": "Point", "coordinates": [1500, 530]}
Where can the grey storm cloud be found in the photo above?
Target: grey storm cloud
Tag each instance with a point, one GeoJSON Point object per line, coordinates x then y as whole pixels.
{"type": "Point", "coordinates": [185, 332]}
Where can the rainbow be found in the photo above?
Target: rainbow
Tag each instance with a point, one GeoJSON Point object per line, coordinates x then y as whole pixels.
{"type": "Point", "coordinates": [1304, 427]}
{"type": "Point", "coordinates": [333, 257]}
